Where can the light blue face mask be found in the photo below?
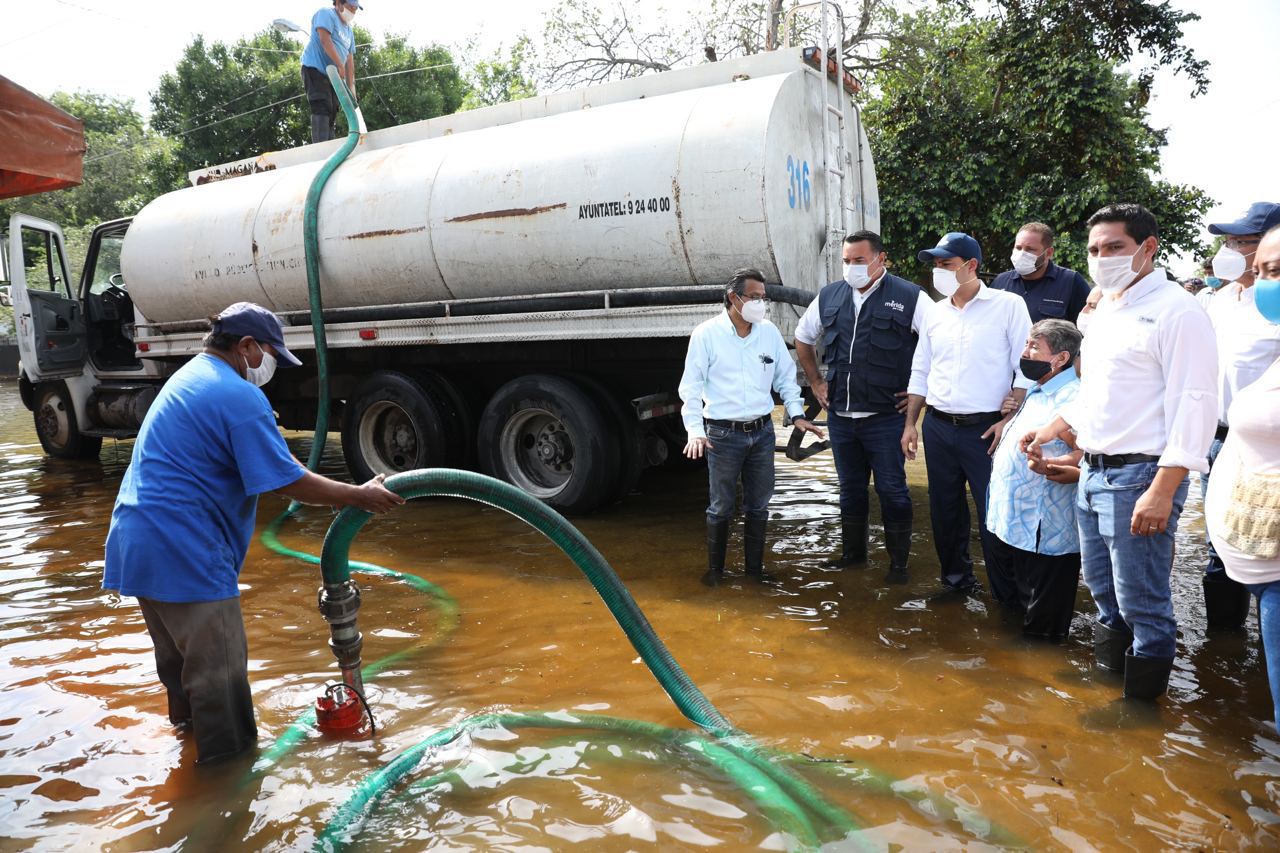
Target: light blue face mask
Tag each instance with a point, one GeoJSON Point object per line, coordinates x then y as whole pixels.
{"type": "Point", "coordinates": [1266, 295]}
{"type": "Point", "coordinates": [1214, 282]}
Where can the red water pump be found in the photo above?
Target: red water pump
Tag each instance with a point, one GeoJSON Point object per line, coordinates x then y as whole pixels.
{"type": "Point", "coordinates": [341, 712]}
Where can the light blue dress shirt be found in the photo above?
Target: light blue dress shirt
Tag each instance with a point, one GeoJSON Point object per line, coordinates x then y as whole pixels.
{"type": "Point", "coordinates": [1022, 503]}
{"type": "Point", "coordinates": [731, 378]}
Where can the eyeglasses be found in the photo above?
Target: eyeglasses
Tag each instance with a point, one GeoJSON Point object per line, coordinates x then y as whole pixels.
{"type": "Point", "coordinates": [763, 299]}
{"type": "Point", "coordinates": [1239, 243]}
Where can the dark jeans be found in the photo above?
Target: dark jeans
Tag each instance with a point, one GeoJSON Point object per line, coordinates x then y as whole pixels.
{"type": "Point", "coordinates": [740, 455]}
{"type": "Point", "coordinates": [202, 658]}
{"type": "Point", "coordinates": [324, 104]}
{"type": "Point", "coordinates": [954, 456]}
{"type": "Point", "coordinates": [1046, 587]}
{"type": "Point", "coordinates": [1128, 575]}
{"type": "Point", "coordinates": [1215, 562]}
{"type": "Point", "coordinates": [866, 446]}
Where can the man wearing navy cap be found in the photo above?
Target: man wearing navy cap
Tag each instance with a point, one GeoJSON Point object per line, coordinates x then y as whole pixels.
{"type": "Point", "coordinates": [1248, 344]}
{"type": "Point", "coordinates": [185, 514]}
{"type": "Point", "coordinates": [966, 363]}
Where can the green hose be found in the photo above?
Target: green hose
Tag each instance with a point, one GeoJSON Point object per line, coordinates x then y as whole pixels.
{"type": "Point", "coordinates": [311, 249]}
{"type": "Point", "coordinates": [443, 482]}
{"type": "Point", "coordinates": [778, 807]}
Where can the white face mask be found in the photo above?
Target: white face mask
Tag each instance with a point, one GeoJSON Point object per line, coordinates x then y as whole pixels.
{"type": "Point", "coordinates": [753, 310]}
{"type": "Point", "coordinates": [346, 15]}
{"type": "Point", "coordinates": [857, 275]}
{"type": "Point", "coordinates": [1228, 264]}
{"type": "Point", "coordinates": [945, 281]}
{"type": "Point", "coordinates": [1113, 274]}
{"type": "Point", "coordinates": [261, 374]}
{"type": "Point", "coordinates": [1024, 262]}
{"type": "Point", "coordinates": [1083, 321]}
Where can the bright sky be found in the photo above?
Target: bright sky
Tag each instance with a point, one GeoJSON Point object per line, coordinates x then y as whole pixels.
{"type": "Point", "coordinates": [1223, 142]}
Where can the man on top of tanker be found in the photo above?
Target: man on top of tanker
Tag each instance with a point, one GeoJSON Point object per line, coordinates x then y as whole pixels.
{"type": "Point", "coordinates": [333, 42]}
{"type": "Point", "coordinates": [185, 514]}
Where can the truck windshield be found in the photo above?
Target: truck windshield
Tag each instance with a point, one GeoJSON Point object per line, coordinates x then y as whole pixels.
{"type": "Point", "coordinates": [106, 267]}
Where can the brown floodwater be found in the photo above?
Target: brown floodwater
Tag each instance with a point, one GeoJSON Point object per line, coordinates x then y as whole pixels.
{"type": "Point", "coordinates": [984, 740]}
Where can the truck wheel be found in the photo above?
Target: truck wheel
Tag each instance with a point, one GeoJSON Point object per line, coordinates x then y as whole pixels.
{"type": "Point", "coordinates": [56, 425]}
{"type": "Point", "coordinates": [459, 426]}
{"type": "Point", "coordinates": [626, 429]}
{"type": "Point", "coordinates": [547, 436]}
{"type": "Point", "coordinates": [391, 425]}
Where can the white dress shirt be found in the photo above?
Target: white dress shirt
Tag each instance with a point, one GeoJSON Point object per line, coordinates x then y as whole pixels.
{"type": "Point", "coordinates": [810, 328]}
{"type": "Point", "coordinates": [1248, 343]}
{"type": "Point", "coordinates": [732, 378]}
{"type": "Point", "coordinates": [968, 358]}
{"type": "Point", "coordinates": [1149, 370]}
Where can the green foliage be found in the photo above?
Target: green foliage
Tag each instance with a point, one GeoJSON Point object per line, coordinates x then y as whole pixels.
{"type": "Point", "coordinates": [990, 122]}
{"type": "Point", "coordinates": [506, 76]}
{"type": "Point", "coordinates": [227, 102]}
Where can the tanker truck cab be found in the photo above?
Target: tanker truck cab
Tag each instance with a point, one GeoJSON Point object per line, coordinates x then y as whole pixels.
{"type": "Point", "coordinates": [80, 374]}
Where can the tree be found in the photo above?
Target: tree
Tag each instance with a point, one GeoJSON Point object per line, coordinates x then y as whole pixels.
{"type": "Point", "coordinates": [592, 41]}
{"type": "Point", "coordinates": [992, 121]}
{"type": "Point", "coordinates": [224, 103]}
{"type": "Point", "coordinates": [502, 78]}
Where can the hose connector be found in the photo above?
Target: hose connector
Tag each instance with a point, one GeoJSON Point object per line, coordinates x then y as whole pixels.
{"type": "Point", "coordinates": [339, 603]}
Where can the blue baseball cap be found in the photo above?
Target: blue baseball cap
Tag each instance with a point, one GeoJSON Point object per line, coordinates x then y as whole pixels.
{"type": "Point", "coordinates": [246, 318]}
{"type": "Point", "coordinates": [954, 244]}
{"type": "Point", "coordinates": [1261, 217]}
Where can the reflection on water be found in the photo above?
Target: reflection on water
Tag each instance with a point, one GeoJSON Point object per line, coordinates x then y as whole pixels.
{"type": "Point", "coordinates": [949, 729]}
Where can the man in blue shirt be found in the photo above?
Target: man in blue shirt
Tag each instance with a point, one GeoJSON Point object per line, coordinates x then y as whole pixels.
{"type": "Point", "coordinates": [735, 362]}
{"type": "Point", "coordinates": [185, 514]}
{"type": "Point", "coordinates": [1031, 503]}
{"type": "Point", "coordinates": [333, 42]}
{"type": "Point", "coordinates": [1050, 291]}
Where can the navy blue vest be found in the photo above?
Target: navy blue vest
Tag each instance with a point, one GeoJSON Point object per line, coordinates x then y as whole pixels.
{"type": "Point", "coordinates": [868, 363]}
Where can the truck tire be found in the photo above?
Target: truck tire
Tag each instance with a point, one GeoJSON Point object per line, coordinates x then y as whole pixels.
{"type": "Point", "coordinates": [459, 425]}
{"type": "Point", "coordinates": [391, 425]}
{"type": "Point", "coordinates": [56, 424]}
{"type": "Point", "coordinates": [626, 428]}
{"type": "Point", "coordinates": [547, 436]}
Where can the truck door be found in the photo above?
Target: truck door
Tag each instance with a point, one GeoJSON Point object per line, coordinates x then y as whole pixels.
{"type": "Point", "coordinates": [49, 319]}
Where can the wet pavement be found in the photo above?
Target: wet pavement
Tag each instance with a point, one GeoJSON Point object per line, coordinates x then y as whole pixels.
{"type": "Point", "coordinates": [978, 738]}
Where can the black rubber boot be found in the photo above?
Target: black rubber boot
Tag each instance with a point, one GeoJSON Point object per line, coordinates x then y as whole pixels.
{"type": "Point", "coordinates": [1226, 602]}
{"type": "Point", "coordinates": [853, 536]}
{"type": "Point", "coordinates": [1110, 646]}
{"type": "Point", "coordinates": [717, 541]}
{"type": "Point", "coordinates": [1146, 678]}
{"type": "Point", "coordinates": [753, 549]}
{"type": "Point", "coordinates": [897, 542]}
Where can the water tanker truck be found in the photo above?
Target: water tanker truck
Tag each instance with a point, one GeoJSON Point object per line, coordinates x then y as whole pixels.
{"type": "Point", "coordinates": [510, 288]}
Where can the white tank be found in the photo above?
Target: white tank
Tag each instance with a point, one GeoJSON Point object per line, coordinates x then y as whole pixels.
{"type": "Point", "coordinates": [679, 189]}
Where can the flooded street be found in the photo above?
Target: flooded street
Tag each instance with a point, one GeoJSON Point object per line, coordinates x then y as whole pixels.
{"type": "Point", "coordinates": [943, 729]}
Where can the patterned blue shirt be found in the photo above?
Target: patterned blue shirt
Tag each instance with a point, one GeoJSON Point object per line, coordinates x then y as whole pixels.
{"type": "Point", "coordinates": [1025, 509]}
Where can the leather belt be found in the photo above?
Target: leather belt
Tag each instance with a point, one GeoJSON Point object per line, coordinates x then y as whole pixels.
{"type": "Point", "coordinates": [1102, 460]}
{"type": "Point", "coordinates": [1221, 434]}
{"type": "Point", "coordinates": [742, 426]}
{"type": "Point", "coordinates": [965, 420]}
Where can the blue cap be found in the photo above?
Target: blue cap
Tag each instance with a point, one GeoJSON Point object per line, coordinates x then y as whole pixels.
{"type": "Point", "coordinates": [954, 244]}
{"type": "Point", "coordinates": [1261, 217]}
{"type": "Point", "coordinates": [245, 318]}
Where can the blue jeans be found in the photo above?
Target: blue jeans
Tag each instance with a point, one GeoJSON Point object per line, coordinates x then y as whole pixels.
{"type": "Point", "coordinates": [745, 455]}
{"type": "Point", "coordinates": [861, 447]}
{"type": "Point", "coordinates": [954, 456]}
{"type": "Point", "coordinates": [1215, 562]}
{"type": "Point", "coordinates": [1269, 622]}
{"type": "Point", "coordinates": [1128, 575]}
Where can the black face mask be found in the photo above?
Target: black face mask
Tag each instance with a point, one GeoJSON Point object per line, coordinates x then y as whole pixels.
{"type": "Point", "coordinates": [1035, 370]}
